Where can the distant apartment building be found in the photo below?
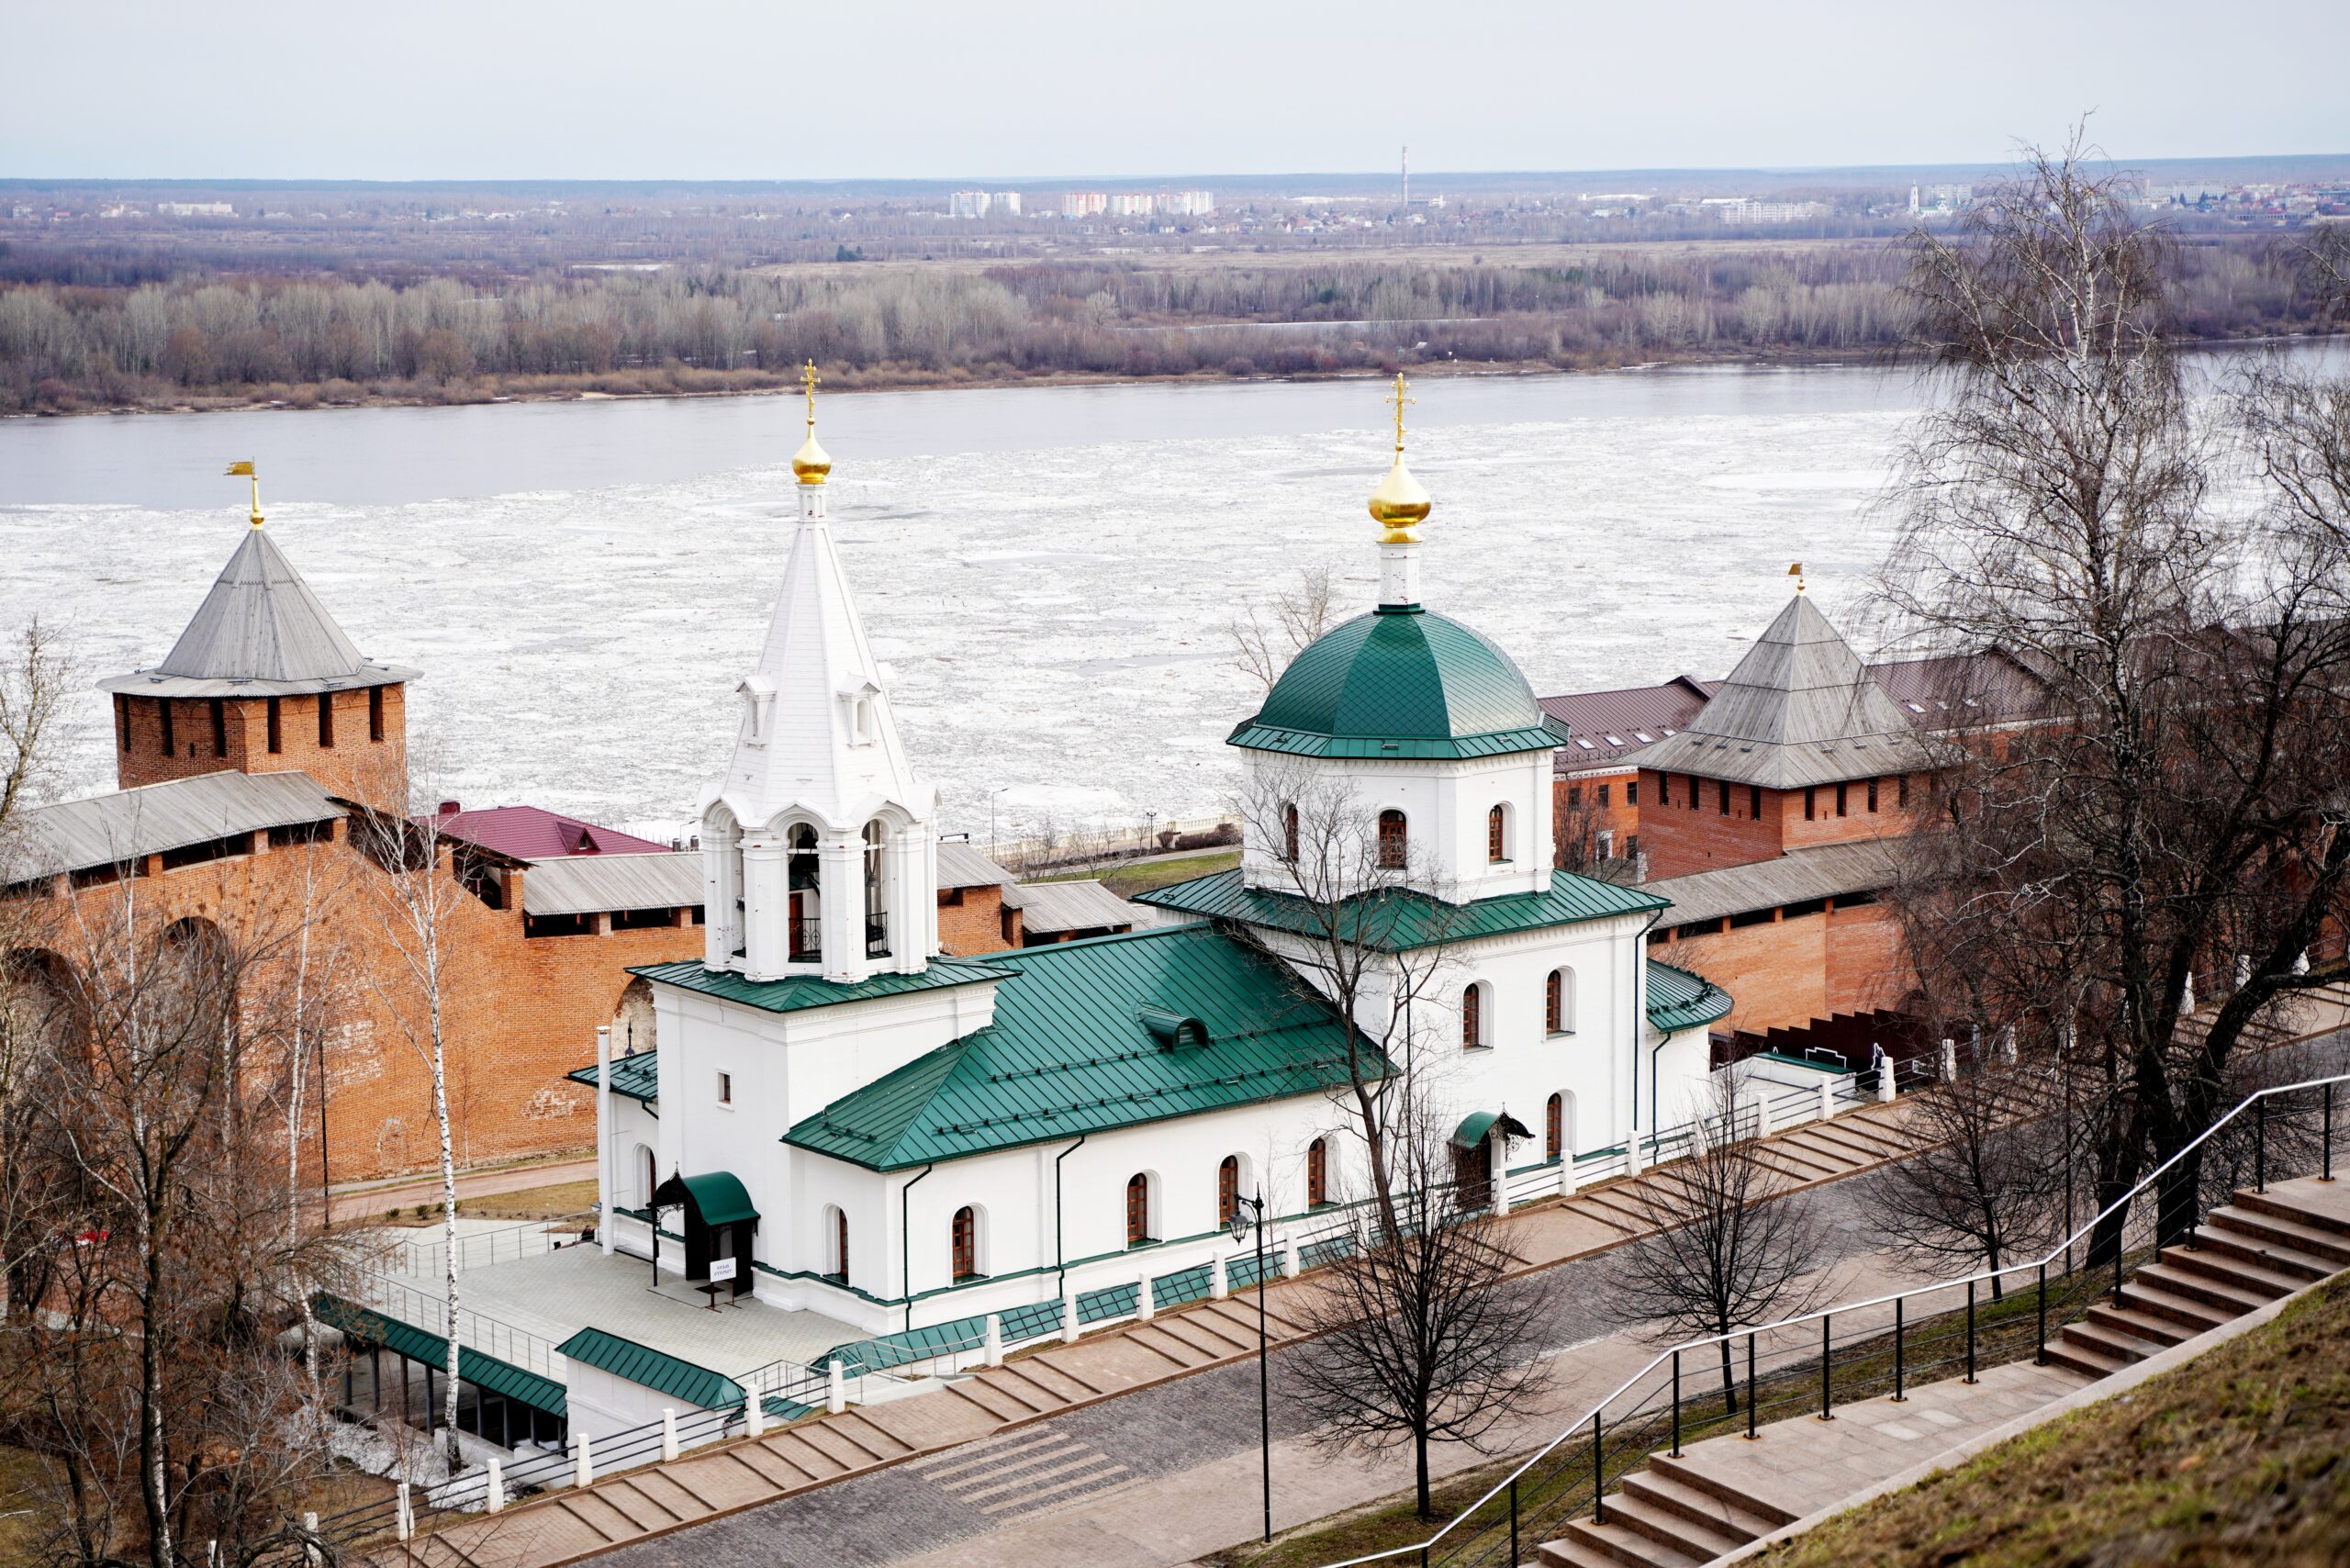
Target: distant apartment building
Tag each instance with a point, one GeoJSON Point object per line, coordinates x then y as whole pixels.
{"type": "Point", "coordinates": [1084, 204]}
{"type": "Point", "coordinates": [1187, 204]}
{"type": "Point", "coordinates": [195, 209]}
{"type": "Point", "coordinates": [1744, 212]}
{"type": "Point", "coordinates": [967, 204]}
{"type": "Point", "coordinates": [1004, 204]}
{"type": "Point", "coordinates": [1130, 204]}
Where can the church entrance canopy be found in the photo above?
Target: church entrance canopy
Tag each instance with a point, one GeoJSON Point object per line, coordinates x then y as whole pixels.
{"type": "Point", "coordinates": [719, 1221]}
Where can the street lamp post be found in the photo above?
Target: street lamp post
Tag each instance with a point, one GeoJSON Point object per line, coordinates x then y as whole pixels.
{"type": "Point", "coordinates": [1249, 1219]}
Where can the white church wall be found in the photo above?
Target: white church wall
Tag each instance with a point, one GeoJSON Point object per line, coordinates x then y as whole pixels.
{"type": "Point", "coordinates": [1685, 1083]}
{"type": "Point", "coordinates": [1444, 805]}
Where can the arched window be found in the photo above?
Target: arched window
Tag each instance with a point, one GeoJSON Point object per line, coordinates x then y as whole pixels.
{"type": "Point", "coordinates": [1227, 1189]}
{"type": "Point", "coordinates": [648, 1176]}
{"type": "Point", "coordinates": [1559, 1003]}
{"type": "Point", "coordinates": [1289, 831]}
{"type": "Point", "coordinates": [801, 873]}
{"type": "Point", "coordinates": [1317, 1173]}
{"type": "Point", "coordinates": [1393, 847]}
{"type": "Point", "coordinates": [1472, 1017]}
{"type": "Point", "coordinates": [966, 1243]}
{"type": "Point", "coordinates": [877, 919]}
{"type": "Point", "coordinates": [1554, 1126]}
{"type": "Point", "coordinates": [1137, 1210]}
{"type": "Point", "coordinates": [839, 1240]}
{"type": "Point", "coordinates": [1497, 834]}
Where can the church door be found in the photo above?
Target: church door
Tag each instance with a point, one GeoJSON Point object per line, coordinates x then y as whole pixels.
{"type": "Point", "coordinates": [1473, 1178]}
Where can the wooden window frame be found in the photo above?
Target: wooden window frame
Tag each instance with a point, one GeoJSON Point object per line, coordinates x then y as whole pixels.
{"type": "Point", "coordinates": [1228, 1189]}
{"type": "Point", "coordinates": [963, 1244]}
{"type": "Point", "coordinates": [1553, 1002]}
{"type": "Point", "coordinates": [1496, 837]}
{"type": "Point", "coordinates": [1138, 1210]}
{"type": "Point", "coordinates": [1394, 840]}
{"type": "Point", "coordinates": [1317, 1173]}
{"type": "Point", "coordinates": [1472, 1017]}
{"type": "Point", "coordinates": [1554, 1126]}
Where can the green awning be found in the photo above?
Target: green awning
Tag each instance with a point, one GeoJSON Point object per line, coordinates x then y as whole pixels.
{"type": "Point", "coordinates": [654, 1368]}
{"type": "Point", "coordinates": [484, 1372]}
{"type": "Point", "coordinates": [717, 1196]}
{"type": "Point", "coordinates": [1477, 1128]}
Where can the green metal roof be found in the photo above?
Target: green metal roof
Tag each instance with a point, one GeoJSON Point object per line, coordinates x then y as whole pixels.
{"type": "Point", "coordinates": [634, 1076]}
{"type": "Point", "coordinates": [1396, 920]}
{"type": "Point", "coordinates": [718, 1196]}
{"type": "Point", "coordinates": [1472, 1131]}
{"type": "Point", "coordinates": [807, 991]}
{"type": "Point", "coordinates": [482, 1372]}
{"type": "Point", "coordinates": [1072, 1050]}
{"type": "Point", "coordinates": [1679, 999]}
{"type": "Point", "coordinates": [640, 1365]}
{"type": "Point", "coordinates": [1401, 683]}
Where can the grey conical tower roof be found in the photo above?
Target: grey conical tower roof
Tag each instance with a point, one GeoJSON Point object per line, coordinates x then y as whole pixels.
{"type": "Point", "coordinates": [1799, 709]}
{"type": "Point", "coordinates": [260, 630]}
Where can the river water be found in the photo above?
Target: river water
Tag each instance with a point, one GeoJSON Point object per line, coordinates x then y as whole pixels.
{"type": "Point", "coordinates": [1049, 572]}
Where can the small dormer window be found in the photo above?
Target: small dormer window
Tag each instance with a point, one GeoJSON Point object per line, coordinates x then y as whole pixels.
{"type": "Point", "coordinates": [758, 709]}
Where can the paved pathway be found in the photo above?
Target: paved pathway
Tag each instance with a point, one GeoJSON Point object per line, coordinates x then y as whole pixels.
{"type": "Point", "coordinates": [372, 1202]}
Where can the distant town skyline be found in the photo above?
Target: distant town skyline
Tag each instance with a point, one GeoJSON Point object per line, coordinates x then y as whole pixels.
{"type": "Point", "coordinates": [915, 89]}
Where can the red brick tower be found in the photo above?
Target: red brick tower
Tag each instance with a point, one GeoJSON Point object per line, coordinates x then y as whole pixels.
{"type": "Point", "coordinates": [264, 681]}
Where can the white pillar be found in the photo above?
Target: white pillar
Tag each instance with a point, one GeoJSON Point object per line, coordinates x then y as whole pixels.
{"type": "Point", "coordinates": [835, 1389]}
{"type": "Point", "coordinates": [840, 872]}
{"type": "Point", "coordinates": [1217, 1289]}
{"type": "Point", "coordinates": [1827, 1097]}
{"type": "Point", "coordinates": [668, 1436]}
{"type": "Point", "coordinates": [755, 1414]}
{"type": "Point", "coordinates": [1144, 1308]}
{"type": "Point", "coordinates": [1950, 1061]}
{"type": "Point", "coordinates": [766, 906]}
{"type": "Point", "coordinates": [991, 1340]}
{"type": "Point", "coordinates": [403, 1518]}
{"type": "Point", "coordinates": [1884, 1085]}
{"type": "Point", "coordinates": [1069, 1315]}
{"type": "Point", "coordinates": [1498, 1156]}
{"type": "Point", "coordinates": [1632, 1166]}
{"type": "Point", "coordinates": [1289, 1264]}
{"type": "Point", "coordinates": [1761, 1093]}
{"type": "Point", "coordinates": [494, 1490]}
{"type": "Point", "coordinates": [604, 1184]}
{"type": "Point", "coordinates": [583, 1462]}
{"type": "Point", "coordinates": [1566, 1163]}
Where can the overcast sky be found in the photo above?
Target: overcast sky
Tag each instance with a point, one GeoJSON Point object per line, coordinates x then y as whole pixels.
{"type": "Point", "coordinates": [777, 89]}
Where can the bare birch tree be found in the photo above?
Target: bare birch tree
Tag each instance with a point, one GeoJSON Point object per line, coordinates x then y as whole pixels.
{"type": "Point", "coordinates": [1418, 1334]}
{"type": "Point", "coordinates": [1723, 1249]}
{"type": "Point", "coordinates": [1365, 926]}
{"type": "Point", "coordinates": [1987, 1185]}
{"type": "Point", "coordinates": [418, 900]}
{"type": "Point", "coordinates": [1265, 637]}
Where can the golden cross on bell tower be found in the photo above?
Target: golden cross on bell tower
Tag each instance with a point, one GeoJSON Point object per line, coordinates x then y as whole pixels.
{"type": "Point", "coordinates": [808, 376]}
{"type": "Point", "coordinates": [1401, 402]}
{"type": "Point", "coordinates": [245, 471]}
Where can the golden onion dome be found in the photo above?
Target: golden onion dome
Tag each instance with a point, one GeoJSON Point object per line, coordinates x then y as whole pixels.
{"type": "Point", "coordinates": [1399, 504]}
{"type": "Point", "coordinates": [812, 465]}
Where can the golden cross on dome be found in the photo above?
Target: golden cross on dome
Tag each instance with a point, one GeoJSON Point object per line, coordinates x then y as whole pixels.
{"type": "Point", "coordinates": [1401, 402]}
{"type": "Point", "coordinates": [808, 374]}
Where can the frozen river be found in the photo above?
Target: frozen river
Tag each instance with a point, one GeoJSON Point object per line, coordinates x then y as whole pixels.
{"type": "Point", "coordinates": [1047, 572]}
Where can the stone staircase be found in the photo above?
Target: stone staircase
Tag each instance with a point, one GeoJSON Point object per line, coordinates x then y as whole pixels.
{"type": "Point", "coordinates": [1854, 1140]}
{"type": "Point", "coordinates": [1727, 1491]}
{"type": "Point", "coordinates": [2242, 1257]}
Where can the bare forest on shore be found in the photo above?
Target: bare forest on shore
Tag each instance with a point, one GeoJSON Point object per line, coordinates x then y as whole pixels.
{"type": "Point", "coordinates": [204, 339]}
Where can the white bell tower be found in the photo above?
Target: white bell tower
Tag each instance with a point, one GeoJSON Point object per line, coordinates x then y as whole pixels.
{"type": "Point", "coordinates": [818, 851]}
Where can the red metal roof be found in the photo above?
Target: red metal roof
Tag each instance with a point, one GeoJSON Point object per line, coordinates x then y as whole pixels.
{"type": "Point", "coordinates": [1618, 723]}
{"type": "Point", "coordinates": [529, 833]}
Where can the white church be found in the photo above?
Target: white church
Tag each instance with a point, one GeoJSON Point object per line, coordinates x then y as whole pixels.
{"type": "Point", "coordinates": [841, 1119]}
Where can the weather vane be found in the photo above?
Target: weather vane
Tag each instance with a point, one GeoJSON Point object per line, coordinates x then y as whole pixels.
{"type": "Point", "coordinates": [1401, 402]}
{"type": "Point", "coordinates": [245, 471]}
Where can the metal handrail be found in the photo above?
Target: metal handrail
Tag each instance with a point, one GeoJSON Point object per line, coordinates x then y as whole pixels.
{"type": "Point", "coordinates": [1587, 1423]}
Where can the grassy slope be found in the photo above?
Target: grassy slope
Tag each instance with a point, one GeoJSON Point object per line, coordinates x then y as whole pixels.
{"type": "Point", "coordinates": [2243, 1457]}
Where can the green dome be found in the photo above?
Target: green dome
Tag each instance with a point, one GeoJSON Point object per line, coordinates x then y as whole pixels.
{"type": "Point", "coordinates": [1400, 683]}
